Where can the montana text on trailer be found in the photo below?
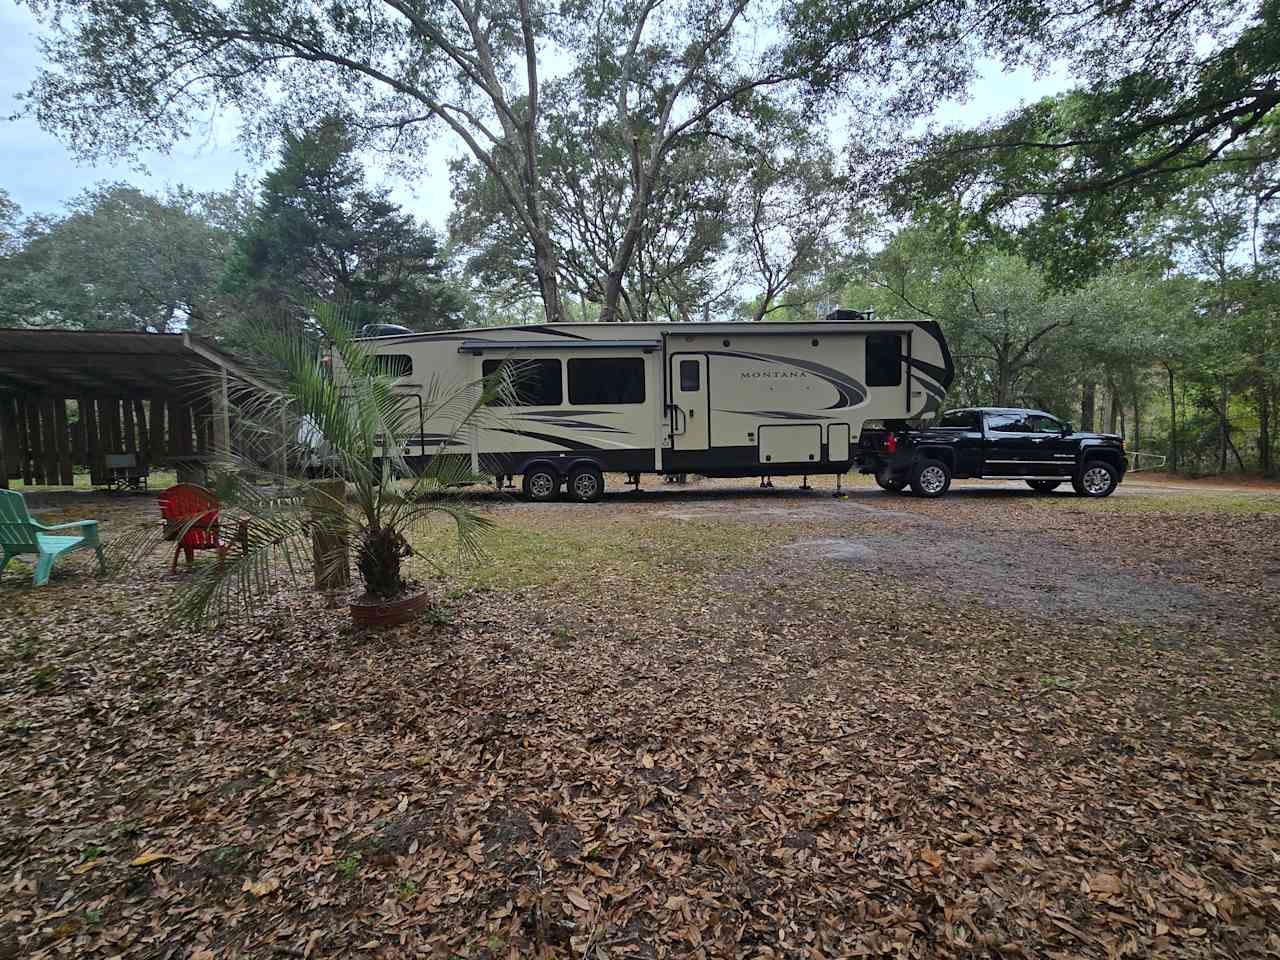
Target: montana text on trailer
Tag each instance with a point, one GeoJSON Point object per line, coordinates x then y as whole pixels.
{"type": "Point", "coordinates": [718, 399]}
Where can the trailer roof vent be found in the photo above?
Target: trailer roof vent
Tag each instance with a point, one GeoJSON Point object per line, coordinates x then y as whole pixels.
{"type": "Point", "coordinates": [850, 316]}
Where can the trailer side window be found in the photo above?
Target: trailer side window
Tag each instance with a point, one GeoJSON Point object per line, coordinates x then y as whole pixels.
{"type": "Point", "coordinates": [606, 380]}
{"type": "Point", "coordinates": [537, 382]}
{"type": "Point", "coordinates": [394, 364]}
{"type": "Point", "coordinates": [884, 359]}
{"type": "Point", "coordinates": [690, 376]}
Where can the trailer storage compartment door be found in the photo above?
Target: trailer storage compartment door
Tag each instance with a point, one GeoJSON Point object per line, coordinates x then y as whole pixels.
{"type": "Point", "coordinates": [790, 443]}
{"type": "Point", "coordinates": [838, 442]}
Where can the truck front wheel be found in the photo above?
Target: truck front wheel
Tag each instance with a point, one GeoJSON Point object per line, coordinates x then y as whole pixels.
{"type": "Point", "coordinates": [1096, 479]}
{"type": "Point", "coordinates": [885, 480]}
{"type": "Point", "coordinates": [930, 478]}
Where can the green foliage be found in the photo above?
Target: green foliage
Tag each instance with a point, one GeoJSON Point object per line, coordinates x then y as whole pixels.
{"type": "Point", "coordinates": [320, 234]}
{"type": "Point", "coordinates": [346, 418]}
{"type": "Point", "coordinates": [119, 260]}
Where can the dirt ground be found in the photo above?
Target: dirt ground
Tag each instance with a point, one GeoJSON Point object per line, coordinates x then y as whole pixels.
{"type": "Point", "coordinates": [702, 720]}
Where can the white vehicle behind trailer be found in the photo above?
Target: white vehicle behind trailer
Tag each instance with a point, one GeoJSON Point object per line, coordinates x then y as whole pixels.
{"type": "Point", "coordinates": [719, 399]}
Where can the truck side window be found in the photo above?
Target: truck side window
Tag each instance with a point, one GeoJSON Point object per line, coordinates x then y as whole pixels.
{"type": "Point", "coordinates": [1045, 425]}
{"type": "Point", "coordinates": [1007, 423]}
{"type": "Point", "coordinates": [537, 382]}
{"type": "Point", "coordinates": [690, 376]}
{"type": "Point", "coordinates": [884, 359]}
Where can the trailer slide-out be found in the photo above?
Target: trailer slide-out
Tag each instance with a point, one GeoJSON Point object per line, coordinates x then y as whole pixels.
{"type": "Point", "coordinates": [718, 399]}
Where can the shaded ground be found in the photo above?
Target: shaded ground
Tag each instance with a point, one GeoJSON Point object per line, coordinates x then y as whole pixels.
{"type": "Point", "coordinates": [673, 725]}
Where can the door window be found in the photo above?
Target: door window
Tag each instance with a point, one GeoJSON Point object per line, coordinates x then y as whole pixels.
{"type": "Point", "coordinates": [690, 376]}
{"type": "Point", "coordinates": [1007, 423]}
{"type": "Point", "coordinates": [1044, 424]}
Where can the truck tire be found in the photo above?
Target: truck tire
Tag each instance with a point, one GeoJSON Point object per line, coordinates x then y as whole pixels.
{"type": "Point", "coordinates": [586, 484]}
{"type": "Point", "coordinates": [930, 478]}
{"type": "Point", "coordinates": [541, 484]}
{"type": "Point", "coordinates": [1044, 486]}
{"type": "Point", "coordinates": [1096, 478]}
{"type": "Point", "coordinates": [885, 480]}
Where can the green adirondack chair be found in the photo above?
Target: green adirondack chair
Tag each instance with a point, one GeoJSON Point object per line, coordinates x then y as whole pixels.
{"type": "Point", "coordinates": [21, 533]}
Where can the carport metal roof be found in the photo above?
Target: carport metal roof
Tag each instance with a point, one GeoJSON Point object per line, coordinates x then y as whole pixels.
{"type": "Point", "coordinates": [72, 363]}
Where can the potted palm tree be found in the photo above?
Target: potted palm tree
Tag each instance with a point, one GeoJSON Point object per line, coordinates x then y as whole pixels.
{"type": "Point", "coordinates": [338, 488]}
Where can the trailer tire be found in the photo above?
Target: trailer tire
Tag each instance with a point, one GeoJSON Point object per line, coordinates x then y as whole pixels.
{"type": "Point", "coordinates": [541, 483]}
{"type": "Point", "coordinates": [930, 478]}
{"type": "Point", "coordinates": [1096, 479]}
{"type": "Point", "coordinates": [586, 484]}
{"type": "Point", "coordinates": [886, 481]}
{"type": "Point", "coordinates": [1044, 486]}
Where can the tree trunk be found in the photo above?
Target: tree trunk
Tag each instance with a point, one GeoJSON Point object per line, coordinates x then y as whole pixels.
{"type": "Point", "coordinates": [1137, 421]}
{"type": "Point", "coordinates": [1088, 400]}
{"type": "Point", "coordinates": [1173, 425]}
{"type": "Point", "coordinates": [1264, 430]}
{"type": "Point", "coordinates": [1223, 439]}
{"type": "Point", "coordinates": [1113, 414]}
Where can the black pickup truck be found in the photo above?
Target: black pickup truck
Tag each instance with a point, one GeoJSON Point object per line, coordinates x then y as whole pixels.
{"type": "Point", "coordinates": [992, 443]}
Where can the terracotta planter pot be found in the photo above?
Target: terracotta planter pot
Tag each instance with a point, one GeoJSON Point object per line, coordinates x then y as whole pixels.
{"type": "Point", "coordinates": [392, 613]}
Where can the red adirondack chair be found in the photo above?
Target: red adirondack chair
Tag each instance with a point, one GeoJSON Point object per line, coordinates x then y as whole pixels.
{"type": "Point", "coordinates": [191, 518]}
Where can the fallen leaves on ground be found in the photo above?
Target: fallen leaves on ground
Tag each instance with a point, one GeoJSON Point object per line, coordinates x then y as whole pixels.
{"type": "Point", "coordinates": [781, 758]}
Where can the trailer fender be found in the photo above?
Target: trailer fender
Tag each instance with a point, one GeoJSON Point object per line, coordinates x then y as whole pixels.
{"type": "Point", "coordinates": [583, 461]}
{"type": "Point", "coordinates": [557, 466]}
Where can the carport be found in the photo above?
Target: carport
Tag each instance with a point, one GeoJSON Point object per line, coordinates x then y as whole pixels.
{"type": "Point", "coordinates": [71, 397]}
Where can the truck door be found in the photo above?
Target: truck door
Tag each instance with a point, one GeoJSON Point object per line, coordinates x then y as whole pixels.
{"type": "Point", "coordinates": [1008, 445]}
{"type": "Point", "coordinates": [690, 403]}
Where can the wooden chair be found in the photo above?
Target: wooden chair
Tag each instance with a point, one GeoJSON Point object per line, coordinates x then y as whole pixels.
{"type": "Point", "coordinates": [20, 533]}
{"type": "Point", "coordinates": [191, 518]}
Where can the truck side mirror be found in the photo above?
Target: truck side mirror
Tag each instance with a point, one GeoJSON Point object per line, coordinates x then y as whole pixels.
{"type": "Point", "coordinates": [1068, 428]}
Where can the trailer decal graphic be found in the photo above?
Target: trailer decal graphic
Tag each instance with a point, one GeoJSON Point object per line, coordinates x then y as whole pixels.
{"type": "Point", "coordinates": [776, 414]}
{"type": "Point", "coordinates": [851, 392]}
{"type": "Point", "coordinates": [566, 442]}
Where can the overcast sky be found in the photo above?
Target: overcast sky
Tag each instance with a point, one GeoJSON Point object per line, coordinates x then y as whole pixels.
{"type": "Point", "coordinates": [40, 174]}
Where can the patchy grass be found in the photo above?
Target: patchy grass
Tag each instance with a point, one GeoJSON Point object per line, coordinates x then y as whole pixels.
{"type": "Point", "coordinates": [1193, 501]}
{"type": "Point", "coordinates": [158, 480]}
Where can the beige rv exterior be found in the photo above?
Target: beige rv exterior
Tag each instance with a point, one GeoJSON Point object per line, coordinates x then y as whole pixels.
{"type": "Point", "coordinates": [720, 399]}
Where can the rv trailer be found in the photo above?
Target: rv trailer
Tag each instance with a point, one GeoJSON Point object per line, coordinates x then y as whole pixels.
{"type": "Point", "coordinates": [718, 399]}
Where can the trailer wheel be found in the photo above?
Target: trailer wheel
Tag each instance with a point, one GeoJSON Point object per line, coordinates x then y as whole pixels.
{"type": "Point", "coordinates": [586, 484]}
{"type": "Point", "coordinates": [930, 478]}
{"type": "Point", "coordinates": [885, 480]}
{"type": "Point", "coordinates": [541, 484]}
{"type": "Point", "coordinates": [1096, 479]}
{"type": "Point", "coordinates": [1044, 486]}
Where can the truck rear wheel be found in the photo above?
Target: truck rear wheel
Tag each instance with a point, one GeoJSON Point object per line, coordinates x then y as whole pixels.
{"type": "Point", "coordinates": [885, 480]}
{"type": "Point", "coordinates": [930, 478]}
{"type": "Point", "coordinates": [541, 484]}
{"type": "Point", "coordinates": [1096, 479]}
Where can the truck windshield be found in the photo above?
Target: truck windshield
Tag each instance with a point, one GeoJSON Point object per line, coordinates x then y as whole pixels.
{"type": "Point", "coordinates": [959, 420]}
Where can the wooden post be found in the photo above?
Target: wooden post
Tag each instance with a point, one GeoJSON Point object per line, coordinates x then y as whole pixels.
{"type": "Point", "coordinates": [129, 434]}
{"type": "Point", "coordinates": [11, 459]}
{"type": "Point", "coordinates": [144, 438]}
{"type": "Point", "coordinates": [111, 422]}
{"type": "Point", "coordinates": [49, 427]}
{"type": "Point", "coordinates": [6, 441]}
{"type": "Point", "coordinates": [35, 463]}
{"type": "Point", "coordinates": [92, 441]}
{"type": "Point", "coordinates": [331, 559]}
{"type": "Point", "coordinates": [79, 441]}
{"type": "Point", "coordinates": [66, 472]}
{"type": "Point", "coordinates": [156, 430]}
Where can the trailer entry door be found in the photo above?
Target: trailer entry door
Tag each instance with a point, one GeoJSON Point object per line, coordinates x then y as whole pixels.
{"type": "Point", "coordinates": [690, 409]}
